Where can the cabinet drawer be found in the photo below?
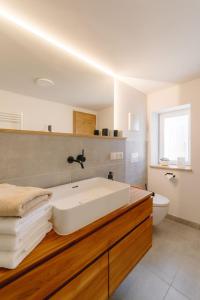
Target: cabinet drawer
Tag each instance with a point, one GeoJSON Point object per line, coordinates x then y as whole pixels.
{"type": "Point", "coordinates": [92, 283]}
{"type": "Point", "coordinates": [52, 274]}
{"type": "Point", "coordinates": [125, 255]}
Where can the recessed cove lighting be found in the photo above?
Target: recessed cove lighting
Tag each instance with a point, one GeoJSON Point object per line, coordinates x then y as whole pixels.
{"type": "Point", "coordinates": [45, 82]}
{"type": "Point", "coordinates": [69, 49]}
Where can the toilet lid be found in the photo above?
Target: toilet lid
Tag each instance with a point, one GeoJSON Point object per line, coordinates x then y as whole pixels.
{"type": "Point", "coordinates": [159, 200]}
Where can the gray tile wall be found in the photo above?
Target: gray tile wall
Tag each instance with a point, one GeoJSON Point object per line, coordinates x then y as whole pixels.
{"type": "Point", "coordinates": [40, 160]}
{"type": "Point", "coordinates": [136, 172]}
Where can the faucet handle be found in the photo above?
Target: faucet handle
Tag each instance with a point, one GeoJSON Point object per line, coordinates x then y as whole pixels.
{"type": "Point", "coordinates": [81, 156]}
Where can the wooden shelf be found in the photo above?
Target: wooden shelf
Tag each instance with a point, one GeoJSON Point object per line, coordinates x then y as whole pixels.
{"type": "Point", "coordinates": [65, 134]}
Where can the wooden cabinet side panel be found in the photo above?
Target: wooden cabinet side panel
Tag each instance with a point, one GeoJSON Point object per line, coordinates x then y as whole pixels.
{"type": "Point", "coordinates": [125, 255]}
{"type": "Point", "coordinates": [92, 283]}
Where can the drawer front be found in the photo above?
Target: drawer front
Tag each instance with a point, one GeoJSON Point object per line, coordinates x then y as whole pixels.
{"type": "Point", "coordinates": [125, 255]}
{"type": "Point", "coordinates": [92, 283]}
{"type": "Point", "coordinates": [51, 275]}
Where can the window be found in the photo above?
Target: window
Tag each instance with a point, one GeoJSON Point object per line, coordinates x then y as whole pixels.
{"type": "Point", "coordinates": [174, 135]}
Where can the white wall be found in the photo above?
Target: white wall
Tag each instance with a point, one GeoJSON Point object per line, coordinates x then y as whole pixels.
{"type": "Point", "coordinates": [185, 193]}
{"type": "Point", "coordinates": [106, 118]}
{"type": "Point", "coordinates": [127, 99]}
{"type": "Point", "coordinates": [39, 113]}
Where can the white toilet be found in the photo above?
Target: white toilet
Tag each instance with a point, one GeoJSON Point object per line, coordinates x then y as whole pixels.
{"type": "Point", "coordinates": [160, 208]}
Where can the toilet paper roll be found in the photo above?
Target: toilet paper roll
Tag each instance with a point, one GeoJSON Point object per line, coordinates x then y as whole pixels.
{"type": "Point", "coordinates": [170, 176]}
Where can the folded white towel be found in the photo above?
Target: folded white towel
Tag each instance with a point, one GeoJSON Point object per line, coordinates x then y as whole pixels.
{"type": "Point", "coordinates": [14, 225]}
{"type": "Point", "coordinates": [12, 259]}
{"type": "Point", "coordinates": [10, 242]}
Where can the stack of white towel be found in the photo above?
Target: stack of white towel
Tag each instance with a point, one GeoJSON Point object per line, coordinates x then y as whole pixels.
{"type": "Point", "coordinates": [24, 222]}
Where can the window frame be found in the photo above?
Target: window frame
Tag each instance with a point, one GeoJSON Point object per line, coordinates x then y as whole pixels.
{"type": "Point", "coordinates": [161, 117]}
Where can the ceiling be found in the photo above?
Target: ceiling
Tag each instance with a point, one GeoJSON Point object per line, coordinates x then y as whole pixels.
{"type": "Point", "coordinates": [24, 58]}
{"type": "Point", "coordinates": [154, 43]}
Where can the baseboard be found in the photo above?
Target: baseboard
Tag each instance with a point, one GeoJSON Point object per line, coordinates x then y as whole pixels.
{"type": "Point", "coordinates": [183, 221]}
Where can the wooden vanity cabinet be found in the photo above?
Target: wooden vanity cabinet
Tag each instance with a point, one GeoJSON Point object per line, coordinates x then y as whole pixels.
{"type": "Point", "coordinates": [127, 253]}
{"type": "Point", "coordinates": [101, 279]}
{"type": "Point", "coordinates": [92, 283]}
{"type": "Point", "coordinates": [88, 267]}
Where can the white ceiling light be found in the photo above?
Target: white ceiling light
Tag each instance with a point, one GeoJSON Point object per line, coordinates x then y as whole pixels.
{"type": "Point", "coordinates": [16, 20]}
{"type": "Point", "coordinates": [45, 82]}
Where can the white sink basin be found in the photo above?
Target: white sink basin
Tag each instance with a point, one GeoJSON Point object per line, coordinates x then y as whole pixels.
{"type": "Point", "coordinates": [77, 204]}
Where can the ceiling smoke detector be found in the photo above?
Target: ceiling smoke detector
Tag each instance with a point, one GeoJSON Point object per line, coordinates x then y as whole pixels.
{"type": "Point", "coordinates": [44, 82]}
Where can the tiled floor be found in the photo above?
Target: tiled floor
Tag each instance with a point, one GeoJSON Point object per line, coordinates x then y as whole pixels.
{"type": "Point", "coordinates": [170, 270]}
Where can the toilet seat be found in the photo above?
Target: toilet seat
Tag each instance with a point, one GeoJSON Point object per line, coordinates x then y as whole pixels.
{"type": "Point", "coordinates": [160, 201]}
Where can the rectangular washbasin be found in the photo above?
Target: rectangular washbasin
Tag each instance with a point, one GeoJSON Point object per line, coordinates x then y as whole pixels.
{"type": "Point", "coordinates": [78, 204]}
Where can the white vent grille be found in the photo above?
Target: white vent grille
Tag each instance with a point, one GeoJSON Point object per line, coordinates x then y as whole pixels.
{"type": "Point", "coordinates": [11, 120]}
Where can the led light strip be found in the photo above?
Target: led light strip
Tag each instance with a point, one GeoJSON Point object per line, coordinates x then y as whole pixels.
{"type": "Point", "coordinates": [8, 16]}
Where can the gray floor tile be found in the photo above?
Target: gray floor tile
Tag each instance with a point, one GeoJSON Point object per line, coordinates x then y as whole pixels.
{"type": "Point", "coordinates": [162, 262]}
{"type": "Point", "coordinates": [142, 285]}
{"type": "Point", "coordinates": [187, 279]}
{"type": "Point", "coordinates": [175, 295]}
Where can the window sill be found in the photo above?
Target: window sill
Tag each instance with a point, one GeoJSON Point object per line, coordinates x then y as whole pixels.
{"type": "Point", "coordinates": [173, 167]}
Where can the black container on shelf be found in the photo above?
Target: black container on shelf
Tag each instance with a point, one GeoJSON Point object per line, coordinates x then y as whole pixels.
{"type": "Point", "coordinates": [96, 132]}
{"type": "Point", "coordinates": [105, 131]}
{"type": "Point", "coordinates": [115, 133]}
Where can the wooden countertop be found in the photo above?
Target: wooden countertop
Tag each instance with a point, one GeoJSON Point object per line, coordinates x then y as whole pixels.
{"type": "Point", "coordinates": [54, 244]}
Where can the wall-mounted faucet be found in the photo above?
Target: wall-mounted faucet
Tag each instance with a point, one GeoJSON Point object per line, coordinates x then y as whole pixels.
{"type": "Point", "coordinates": [80, 159]}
